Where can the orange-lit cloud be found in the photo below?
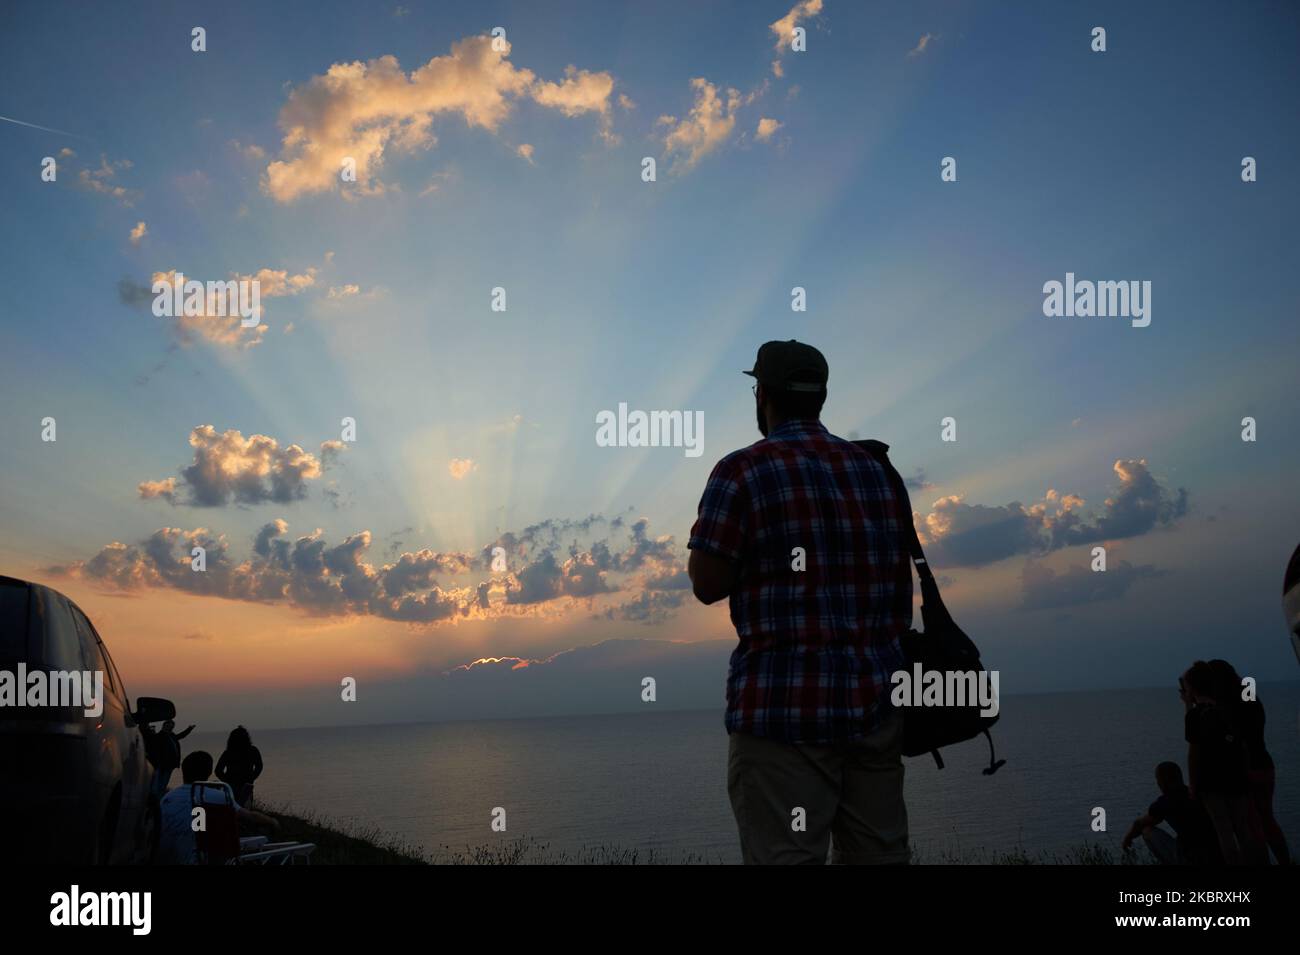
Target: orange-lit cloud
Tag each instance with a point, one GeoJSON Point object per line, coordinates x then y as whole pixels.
{"type": "Point", "coordinates": [360, 111]}
{"type": "Point", "coordinates": [709, 124]}
{"type": "Point", "coordinates": [530, 573]}
{"type": "Point", "coordinates": [960, 534]}
{"type": "Point", "coordinates": [784, 27]}
{"type": "Point", "coordinates": [103, 180]}
{"type": "Point", "coordinates": [458, 468]}
{"type": "Point", "coordinates": [229, 467]}
{"type": "Point", "coordinates": [218, 320]}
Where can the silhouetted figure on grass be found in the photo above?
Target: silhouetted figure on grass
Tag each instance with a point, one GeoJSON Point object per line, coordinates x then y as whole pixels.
{"type": "Point", "coordinates": [1261, 776]}
{"type": "Point", "coordinates": [803, 532]}
{"type": "Point", "coordinates": [1217, 765]}
{"type": "Point", "coordinates": [240, 764]}
{"type": "Point", "coordinates": [163, 749]}
{"type": "Point", "coordinates": [1194, 841]}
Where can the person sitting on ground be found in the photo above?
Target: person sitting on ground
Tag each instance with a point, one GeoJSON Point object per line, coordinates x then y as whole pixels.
{"type": "Point", "coordinates": [177, 845]}
{"type": "Point", "coordinates": [240, 764]}
{"type": "Point", "coordinates": [1196, 842]}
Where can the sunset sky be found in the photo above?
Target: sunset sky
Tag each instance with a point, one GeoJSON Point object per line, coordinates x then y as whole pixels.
{"type": "Point", "coordinates": [521, 168]}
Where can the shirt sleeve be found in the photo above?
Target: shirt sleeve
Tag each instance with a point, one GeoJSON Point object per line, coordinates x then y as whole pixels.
{"type": "Point", "coordinates": [722, 525]}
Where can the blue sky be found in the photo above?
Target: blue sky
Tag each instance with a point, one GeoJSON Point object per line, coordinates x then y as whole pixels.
{"type": "Point", "coordinates": [925, 296]}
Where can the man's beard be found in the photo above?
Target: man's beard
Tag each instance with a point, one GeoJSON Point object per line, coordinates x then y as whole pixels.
{"type": "Point", "coordinates": [762, 421]}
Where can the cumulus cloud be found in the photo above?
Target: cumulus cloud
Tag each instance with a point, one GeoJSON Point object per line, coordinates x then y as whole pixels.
{"type": "Point", "coordinates": [138, 233]}
{"type": "Point", "coordinates": [581, 91]}
{"type": "Point", "coordinates": [711, 121]}
{"type": "Point", "coordinates": [1043, 588]}
{"type": "Point", "coordinates": [218, 320]}
{"type": "Point", "coordinates": [525, 152]}
{"type": "Point", "coordinates": [164, 489]}
{"type": "Point", "coordinates": [229, 467]}
{"type": "Point", "coordinates": [458, 468]}
{"type": "Point", "coordinates": [363, 110]}
{"type": "Point", "coordinates": [103, 180]}
{"type": "Point", "coordinates": [648, 607]}
{"type": "Point", "coordinates": [1140, 505]}
{"type": "Point", "coordinates": [540, 574]}
{"type": "Point", "coordinates": [330, 451]}
{"type": "Point", "coordinates": [549, 577]}
{"type": "Point", "coordinates": [784, 28]}
{"type": "Point", "coordinates": [766, 129]}
{"type": "Point", "coordinates": [956, 533]}
{"type": "Point", "coordinates": [275, 283]}
{"type": "Point", "coordinates": [959, 534]}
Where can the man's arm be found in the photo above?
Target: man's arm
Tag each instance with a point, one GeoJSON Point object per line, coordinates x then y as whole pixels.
{"type": "Point", "coordinates": [186, 733]}
{"type": "Point", "coordinates": [712, 577]}
{"type": "Point", "coordinates": [1145, 821]}
{"type": "Point", "coordinates": [718, 538]}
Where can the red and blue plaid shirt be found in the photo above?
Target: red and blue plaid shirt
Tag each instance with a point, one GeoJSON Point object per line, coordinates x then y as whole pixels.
{"type": "Point", "coordinates": [817, 646]}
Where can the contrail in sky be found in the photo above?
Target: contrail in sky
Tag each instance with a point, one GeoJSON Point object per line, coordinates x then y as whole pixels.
{"type": "Point", "coordinates": [46, 128]}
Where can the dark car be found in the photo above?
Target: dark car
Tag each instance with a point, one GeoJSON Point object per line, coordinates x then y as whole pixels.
{"type": "Point", "coordinates": [73, 788]}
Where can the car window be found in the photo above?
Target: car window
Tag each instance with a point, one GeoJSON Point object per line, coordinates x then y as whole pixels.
{"type": "Point", "coordinates": [118, 687]}
{"type": "Point", "coordinates": [63, 647]}
{"type": "Point", "coordinates": [14, 600]}
{"type": "Point", "coordinates": [95, 651]}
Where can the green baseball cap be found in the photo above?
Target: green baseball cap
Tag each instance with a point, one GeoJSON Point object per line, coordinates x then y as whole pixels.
{"type": "Point", "coordinates": [790, 366]}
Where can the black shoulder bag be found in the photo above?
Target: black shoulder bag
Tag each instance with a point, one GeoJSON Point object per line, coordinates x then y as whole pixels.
{"type": "Point", "coordinates": [943, 647]}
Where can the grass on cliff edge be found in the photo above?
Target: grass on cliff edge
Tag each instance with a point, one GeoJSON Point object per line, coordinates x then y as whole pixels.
{"type": "Point", "coordinates": [341, 844]}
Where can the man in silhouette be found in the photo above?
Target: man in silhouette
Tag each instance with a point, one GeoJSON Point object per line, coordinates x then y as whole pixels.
{"type": "Point", "coordinates": [163, 749]}
{"type": "Point", "coordinates": [803, 533]}
{"type": "Point", "coordinates": [1194, 841]}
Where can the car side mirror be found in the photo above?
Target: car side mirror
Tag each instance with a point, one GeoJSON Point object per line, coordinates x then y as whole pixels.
{"type": "Point", "coordinates": [153, 709]}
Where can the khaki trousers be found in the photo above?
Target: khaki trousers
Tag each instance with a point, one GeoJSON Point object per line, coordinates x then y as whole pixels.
{"type": "Point", "coordinates": [850, 794]}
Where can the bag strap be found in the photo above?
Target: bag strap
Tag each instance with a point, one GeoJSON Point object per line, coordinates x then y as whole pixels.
{"type": "Point", "coordinates": [880, 451]}
{"type": "Point", "coordinates": [933, 611]}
